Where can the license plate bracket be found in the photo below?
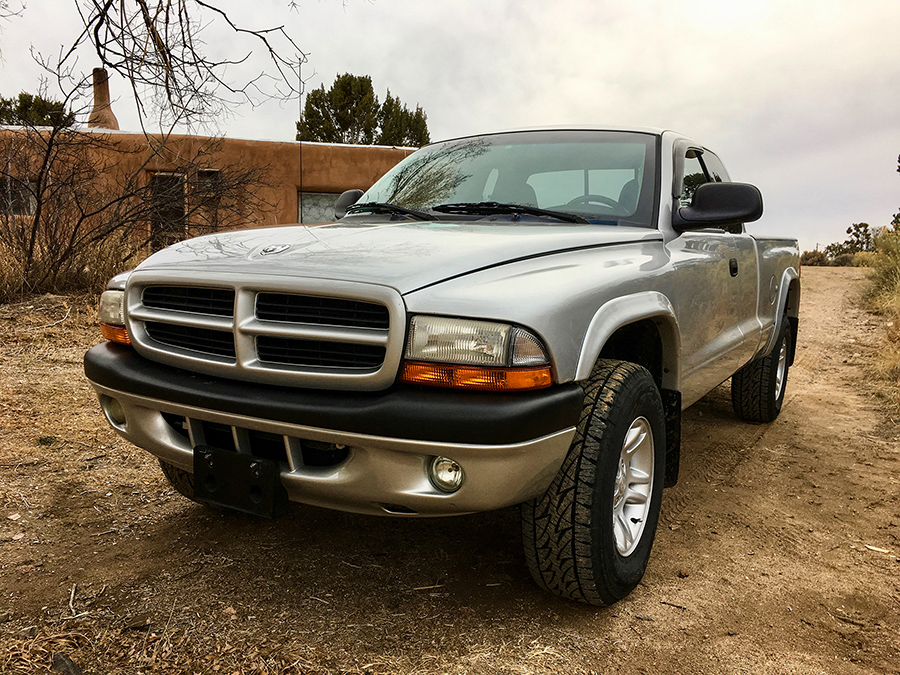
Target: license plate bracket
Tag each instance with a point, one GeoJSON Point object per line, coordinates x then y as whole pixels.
{"type": "Point", "coordinates": [238, 481]}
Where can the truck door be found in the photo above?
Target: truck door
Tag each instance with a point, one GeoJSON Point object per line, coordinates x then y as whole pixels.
{"type": "Point", "coordinates": [747, 301]}
{"type": "Point", "coordinates": [709, 301]}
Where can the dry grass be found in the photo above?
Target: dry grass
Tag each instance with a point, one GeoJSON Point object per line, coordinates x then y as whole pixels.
{"type": "Point", "coordinates": [883, 296]}
{"type": "Point", "coordinates": [86, 272]}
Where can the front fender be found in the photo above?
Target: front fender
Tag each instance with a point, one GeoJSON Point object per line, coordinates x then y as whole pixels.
{"type": "Point", "coordinates": [625, 310]}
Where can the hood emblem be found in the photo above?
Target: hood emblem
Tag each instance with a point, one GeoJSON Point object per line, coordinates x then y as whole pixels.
{"type": "Point", "coordinates": [275, 249]}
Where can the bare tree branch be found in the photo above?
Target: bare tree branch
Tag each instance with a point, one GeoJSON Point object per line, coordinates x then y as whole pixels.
{"type": "Point", "coordinates": [157, 45]}
{"type": "Point", "coordinates": [76, 204]}
{"type": "Point", "coordinates": [8, 10]}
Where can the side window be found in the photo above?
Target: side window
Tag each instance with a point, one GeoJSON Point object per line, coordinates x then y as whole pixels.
{"type": "Point", "coordinates": [694, 176]}
{"type": "Point", "coordinates": [715, 168]}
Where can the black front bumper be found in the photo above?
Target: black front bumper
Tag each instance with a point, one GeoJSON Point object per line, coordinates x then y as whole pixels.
{"type": "Point", "coordinates": [410, 412]}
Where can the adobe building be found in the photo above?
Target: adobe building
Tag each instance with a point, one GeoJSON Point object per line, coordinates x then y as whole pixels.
{"type": "Point", "coordinates": [297, 182]}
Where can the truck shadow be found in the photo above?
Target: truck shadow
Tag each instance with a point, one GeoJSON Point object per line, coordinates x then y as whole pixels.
{"type": "Point", "coordinates": [331, 568]}
{"type": "Point", "coordinates": [356, 569]}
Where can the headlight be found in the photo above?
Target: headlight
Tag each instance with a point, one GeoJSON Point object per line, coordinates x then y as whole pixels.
{"type": "Point", "coordinates": [112, 317]}
{"type": "Point", "coordinates": [470, 354]}
{"type": "Point", "coordinates": [112, 308]}
{"type": "Point", "coordinates": [473, 343]}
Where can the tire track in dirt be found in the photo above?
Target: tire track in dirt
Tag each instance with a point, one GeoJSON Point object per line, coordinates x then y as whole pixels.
{"type": "Point", "coordinates": [718, 465]}
{"type": "Point", "coordinates": [710, 465]}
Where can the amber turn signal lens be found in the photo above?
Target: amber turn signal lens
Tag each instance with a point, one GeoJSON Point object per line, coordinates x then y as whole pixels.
{"type": "Point", "coordinates": [115, 333]}
{"type": "Point", "coordinates": [472, 377]}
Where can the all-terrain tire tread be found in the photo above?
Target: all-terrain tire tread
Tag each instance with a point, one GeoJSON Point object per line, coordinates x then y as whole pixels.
{"type": "Point", "coordinates": [556, 527]}
{"type": "Point", "coordinates": [752, 387]}
{"type": "Point", "coordinates": [181, 480]}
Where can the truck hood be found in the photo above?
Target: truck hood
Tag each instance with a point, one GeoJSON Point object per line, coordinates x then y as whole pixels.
{"type": "Point", "coordinates": [404, 255]}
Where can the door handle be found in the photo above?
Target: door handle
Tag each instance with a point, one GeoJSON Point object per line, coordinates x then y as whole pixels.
{"type": "Point", "coordinates": [733, 267]}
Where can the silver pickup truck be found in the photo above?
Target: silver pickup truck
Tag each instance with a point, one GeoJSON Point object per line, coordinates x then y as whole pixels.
{"type": "Point", "coordinates": [513, 318]}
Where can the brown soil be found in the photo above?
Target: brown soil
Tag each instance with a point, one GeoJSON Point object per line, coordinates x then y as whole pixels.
{"type": "Point", "coordinates": [777, 551]}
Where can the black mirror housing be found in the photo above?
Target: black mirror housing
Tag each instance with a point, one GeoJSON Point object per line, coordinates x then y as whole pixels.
{"type": "Point", "coordinates": [348, 198]}
{"type": "Point", "coordinates": [718, 204]}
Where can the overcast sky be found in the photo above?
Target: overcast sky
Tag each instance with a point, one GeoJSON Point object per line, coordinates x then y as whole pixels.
{"type": "Point", "coordinates": [801, 98]}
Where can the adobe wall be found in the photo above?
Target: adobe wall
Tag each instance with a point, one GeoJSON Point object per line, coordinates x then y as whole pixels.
{"type": "Point", "coordinates": [287, 167]}
{"type": "Point", "coordinates": [335, 168]}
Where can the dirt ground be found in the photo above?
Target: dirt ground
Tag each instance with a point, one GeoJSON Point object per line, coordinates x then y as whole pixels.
{"type": "Point", "coordinates": [777, 551]}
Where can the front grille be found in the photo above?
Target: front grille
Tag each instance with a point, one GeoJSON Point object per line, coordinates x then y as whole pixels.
{"type": "Point", "coordinates": [313, 333]}
{"type": "Point", "coordinates": [261, 444]}
{"type": "Point", "coordinates": [321, 311]}
{"type": "Point", "coordinates": [212, 301]}
{"type": "Point", "coordinates": [202, 340]}
{"type": "Point", "coordinates": [319, 353]}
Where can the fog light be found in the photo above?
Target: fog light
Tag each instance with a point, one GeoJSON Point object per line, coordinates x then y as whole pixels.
{"type": "Point", "coordinates": [445, 474]}
{"type": "Point", "coordinates": [115, 413]}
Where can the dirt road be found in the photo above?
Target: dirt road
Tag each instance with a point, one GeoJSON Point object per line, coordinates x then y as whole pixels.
{"type": "Point", "coordinates": [778, 551]}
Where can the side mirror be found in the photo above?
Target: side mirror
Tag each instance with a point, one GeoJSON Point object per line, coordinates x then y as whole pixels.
{"type": "Point", "coordinates": [718, 204]}
{"type": "Point", "coordinates": [348, 198]}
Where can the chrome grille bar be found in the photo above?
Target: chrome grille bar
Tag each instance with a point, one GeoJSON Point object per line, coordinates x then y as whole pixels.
{"type": "Point", "coordinates": [293, 332]}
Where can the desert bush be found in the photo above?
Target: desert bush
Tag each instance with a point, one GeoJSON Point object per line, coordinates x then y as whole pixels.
{"type": "Point", "coordinates": [843, 260]}
{"type": "Point", "coordinates": [87, 271]}
{"type": "Point", "coordinates": [813, 258]}
{"type": "Point", "coordinates": [11, 269]}
{"type": "Point", "coordinates": [864, 259]}
{"type": "Point", "coordinates": [885, 277]}
{"type": "Point", "coordinates": [883, 295]}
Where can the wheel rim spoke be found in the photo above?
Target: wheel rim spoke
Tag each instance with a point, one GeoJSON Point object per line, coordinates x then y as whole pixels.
{"type": "Point", "coordinates": [633, 440]}
{"type": "Point", "coordinates": [635, 497]}
{"type": "Point", "coordinates": [624, 528]}
{"type": "Point", "coordinates": [638, 477]}
{"type": "Point", "coordinates": [634, 479]}
{"type": "Point", "coordinates": [781, 369]}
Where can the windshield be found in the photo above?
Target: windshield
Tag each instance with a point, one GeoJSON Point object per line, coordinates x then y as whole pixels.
{"type": "Point", "coordinates": [603, 177]}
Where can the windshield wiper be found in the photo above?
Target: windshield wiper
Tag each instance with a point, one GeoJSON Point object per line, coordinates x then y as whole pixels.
{"type": "Point", "coordinates": [487, 208]}
{"type": "Point", "coordinates": [384, 207]}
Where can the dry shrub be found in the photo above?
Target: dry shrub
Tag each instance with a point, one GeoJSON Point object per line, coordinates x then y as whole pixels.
{"type": "Point", "coordinates": [80, 205]}
{"type": "Point", "coordinates": [11, 271]}
{"type": "Point", "coordinates": [886, 263]}
{"type": "Point", "coordinates": [842, 260]}
{"type": "Point", "coordinates": [883, 295]}
{"type": "Point", "coordinates": [814, 259]}
{"type": "Point", "coordinates": [88, 272]}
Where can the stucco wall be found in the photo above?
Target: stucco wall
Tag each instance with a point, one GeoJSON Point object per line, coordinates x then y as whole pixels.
{"type": "Point", "coordinates": [335, 168]}
{"type": "Point", "coordinates": [292, 167]}
{"type": "Point", "coordinates": [286, 167]}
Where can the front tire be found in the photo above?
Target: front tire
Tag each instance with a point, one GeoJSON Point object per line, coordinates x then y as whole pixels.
{"type": "Point", "coordinates": [757, 389]}
{"type": "Point", "coordinates": [588, 537]}
{"type": "Point", "coordinates": [181, 480]}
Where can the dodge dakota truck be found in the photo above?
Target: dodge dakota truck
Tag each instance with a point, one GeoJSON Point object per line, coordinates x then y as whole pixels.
{"type": "Point", "coordinates": [516, 318]}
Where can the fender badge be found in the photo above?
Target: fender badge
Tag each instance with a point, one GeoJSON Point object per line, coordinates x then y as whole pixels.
{"type": "Point", "coordinates": [273, 250]}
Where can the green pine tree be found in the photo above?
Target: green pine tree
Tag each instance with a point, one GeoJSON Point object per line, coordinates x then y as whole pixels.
{"type": "Point", "coordinates": [34, 110]}
{"type": "Point", "coordinates": [349, 112]}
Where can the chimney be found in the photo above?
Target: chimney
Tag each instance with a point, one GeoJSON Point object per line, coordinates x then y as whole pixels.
{"type": "Point", "coordinates": [102, 114]}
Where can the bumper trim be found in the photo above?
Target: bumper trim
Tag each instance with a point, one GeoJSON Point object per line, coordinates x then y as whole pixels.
{"type": "Point", "coordinates": [403, 411]}
{"type": "Point", "coordinates": [379, 475]}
